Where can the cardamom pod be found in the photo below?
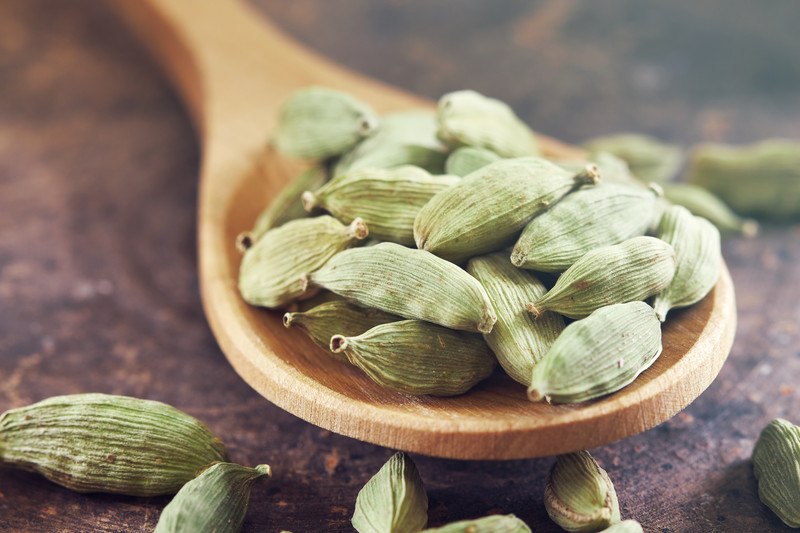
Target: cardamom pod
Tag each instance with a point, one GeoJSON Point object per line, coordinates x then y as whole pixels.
{"type": "Point", "coordinates": [273, 270]}
{"type": "Point", "coordinates": [393, 501]}
{"type": "Point", "coordinates": [704, 203]}
{"type": "Point", "coordinates": [104, 443]}
{"type": "Point", "coordinates": [776, 463]}
{"type": "Point", "coordinates": [589, 218]}
{"type": "Point", "coordinates": [579, 495]}
{"type": "Point", "coordinates": [317, 123]}
{"type": "Point", "coordinates": [327, 319]}
{"type": "Point", "coordinates": [488, 524]}
{"type": "Point", "coordinates": [633, 270]}
{"type": "Point", "coordinates": [418, 357]}
{"type": "Point", "coordinates": [626, 526]}
{"type": "Point", "coordinates": [216, 500]}
{"type": "Point", "coordinates": [517, 340]}
{"type": "Point", "coordinates": [598, 355]}
{"type": "Point", "coordinates": [409, 283]}
{"type": "Point", "coordinates": [761, 180]}
{"type": "Point", "coordinates": [648, 158]}
{"type": "Point", "coordinates": [698, 259]}
{"type": "Point", "coordinates": [612, 168]}
{"type": "Point", "coordinates": [387, 200]}
{"type": "Point", "coordinates": [485, 210]}
{"type": "Point", "coordinates": [467, 159]}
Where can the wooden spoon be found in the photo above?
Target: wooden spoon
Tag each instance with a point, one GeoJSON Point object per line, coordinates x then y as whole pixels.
{"type": "Point", "coordinates": [233, 69]}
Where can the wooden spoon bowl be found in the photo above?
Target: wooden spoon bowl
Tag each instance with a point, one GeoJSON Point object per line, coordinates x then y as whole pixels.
{"type": "Point", "coordinates": [233, 70]}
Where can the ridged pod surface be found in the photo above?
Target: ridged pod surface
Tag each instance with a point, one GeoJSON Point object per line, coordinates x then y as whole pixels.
{"type": "Point", "coordinates": [598, 355]}
{"type": "Point", "coordinates": [104, 443]}
{"type": "Point", "coordinates": [626, 526]}
{"type": "Point", "coordinates": [488, 524]}
{"type": "Point", "coordinates": [776, 463]}
{"type": "Point", "coordinates": [467, 159]}
{"type": "Point", "coordinates": [648, 158]}
{"type": "Point", "coordinates": [409, 283]}
{"type": "Point", "coordinates": [703, 203]}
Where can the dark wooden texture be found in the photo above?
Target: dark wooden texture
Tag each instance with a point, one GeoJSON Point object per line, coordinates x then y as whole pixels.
{"type": "Point", "coordinates": [98, 282]}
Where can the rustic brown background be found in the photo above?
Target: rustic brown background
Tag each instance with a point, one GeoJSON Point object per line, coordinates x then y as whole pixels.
{"type": "Point", "coordinates": [98, 285]}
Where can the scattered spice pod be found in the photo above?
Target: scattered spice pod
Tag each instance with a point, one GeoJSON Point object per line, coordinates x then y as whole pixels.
{"type": "Point", "coordinates": [648, 158]}
{"type": "Point", "coordinates": [776, 463]}
{"type": "Point", "coordinates": [488, 524]}
{"type": "Point", "coordinates": [703, 203]}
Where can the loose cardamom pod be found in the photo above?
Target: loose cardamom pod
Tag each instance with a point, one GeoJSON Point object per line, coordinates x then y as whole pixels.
{"type": "Point", "coordinates": [488, 524]}
{"type": "Point", "coordinates": [612, 168]}
{"type": "Point", "coordinates": [104, 443]}
{"type": "Point", "coordinates": [648, 158]}
{"type": "Point", "coordinates": [418, 357]}
{"type": "Point", "coordinates": [467, 159]}
{"type": "Point", "coordinates": [589, 218]}
{"type": "Point", "coordinates": [326, 320]}
{"type": "Point", "coordinates": [317, 123]}
{"type": "Point", "coordinates": [468, 118]}
{"type": "Point", "coordinates": [698, 259]}
{"type": "Point", "coordinates": [704, 203]}
{"type": "Point", "coordinates": [776, 463]}
{"type": "Point", "coordinates": [517, 340]}
{"type": "Point", "coordinates": [485, 210]}
{"type": "Point", "coordinates": [216, 500]}
{"type": "Point", "coordinates": [393, 501]}
{"type": "Point", "coordinates": [598, 355]}
{"type": "Point", "coordinates": [579, 495]}
{"type": "Point", "coordinates": [633, 270]}
{"type": "Point", "coordinates": [409, 283]}
{"type": "Point", "coordinates": [387, 200]}
{"type": "Point", "coordinates": [761, 180]}
{"type": "Point", "coordinates": [626, 526]}
{"type": "Point", "coordinates": [273, 270]}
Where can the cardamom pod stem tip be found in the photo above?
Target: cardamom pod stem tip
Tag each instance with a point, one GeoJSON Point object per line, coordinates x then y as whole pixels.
{"type": "Point", "coordinates": [338, 343]}
{"type": "Point", "coordinates": [367, 126]}
{"type": "Point", "coordinates": [661, 308]}
{"type": "Point", "coordinates": [657, 189]}
{"type": "Point", "coordinates": [588, 176]}
{"type": "Point", "coordinates": [309, 200]}
{"type": "Point", "coordinates": [287, 319]}
{"type": "Point", "coordinates": [244, 241]}
{"type": "Point", "coordinates": [487, 323]}
{"type": "Point", "coordinates": [358, 229]}
{"type": "Point", "coordinates": [749, 228]}
{"type": "Point", "coordinates": [532, 309]}
{"type": "Point", "coordinates": [264, 470]}
{"type": "Point", "coordinates": [534, 394]}
{"type": "Point", "coordinates": [518, 258]}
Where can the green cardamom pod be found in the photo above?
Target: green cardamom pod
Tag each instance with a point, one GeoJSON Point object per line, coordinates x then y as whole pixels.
{"type": "Point", "coordinates": [466, 160]}
{"type": "Point", "coordinates": [633, 270]}
{"type": "Point", "coordinates": [761, 180]}
{"type": "Point", "coordinates": [485, 211]}
{"type": "Point", "coordinates": [648, 158]}
{"type": "Point", "coordinates": [387, 200]}
{"type": "Point", "coordinates": [467, 118]}
{"type": "Point", "coordinates": [517, 339]}
{"type": "Point", "coordinates": [393, 501]}
{"type": "Point", "coordinates": [337, 317]}
{"type": "Point", "coordinates": [418, 357]}
{"type": "Point", "coordinates": [104, 443]}
{"type": "Point", "coordinates": [626, 526]}
{"type": "Point", "coordinates": [274, 270]}
{"type": "Point", "coordinates": [216, 500]}
{"type": "Point", "coordinates": [698, 259]}
{"type": "Point", "coordinates": [598, 355]}
{"type": "Point", "coordinates": [703, 203]}
{"type": "Point", "coordinates": [318, 123]}
{"type": "Point", "coordinates": [488, 524]}
{"type": "Point", "coordinates": [589, 218]}
{"type": "Point", "coordinates": [612, 168]}
{"type": "Point", "coordinates": [409, 283]}
{"type": "Point", "coordinates": [776, 463]}
{"type": "Point", "coordinates": [579, 495]}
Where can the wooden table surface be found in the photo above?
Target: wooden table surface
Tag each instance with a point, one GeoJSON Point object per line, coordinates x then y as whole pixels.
{"type": "Point", "coordinates": [98, 281]}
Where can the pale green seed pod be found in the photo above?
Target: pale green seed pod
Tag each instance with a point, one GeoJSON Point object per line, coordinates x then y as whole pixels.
{"type": "Point", "coordinates": [598, 355]}
{"type": "Point", "coordinates": [393, 501]}
{"type": "Point", "coordinates": [703, 203]}
{"type": "Point", "coordinates": [484, 211]}
{"type": "Point", "coordinates": [404, 138]}
{"type": "Point", "coordinates": [324, 321]}
{"type": "Point", "coordinates": [612, 168]}
{"type": "Point", "coordinates": [409, 283]}
{"type": "Point", "coordinates": [633, 270]}
{"type": "Point", "coordinates": [466, 160]}
{"type": "Point", "coordinates": [579, 495]}
{"type": "Point", "coordinates": [387, 200]}
{"type": "Point", "coordinates": [776, 463]}
{"type": "Point", "coordinates": [761, 180]}
{"type": "Point", "coordinates": [488, 524]}
{"type": "Point", "coordinates": [698, 259]}
{"type": "Point", "coordinates": [648, 158]}
{"type": "Point", "coordinates": [215, 501]}
{"type": "Point", "coordinates": [418, 357]}
{"type": "Point", "coordinates": [273, 271]}
{"type": "Point", "coordinates": [104, 443]}
{"type": "Point", "coordinates": [517, 339]}
{"type": "Point", "coordinates": [626, 526]}
{"type": "Point", "coordinates": [467, 118]}
{"type": "Point", "coordinates": [318, 123]}
{"type": "Point", "coordinates": [589, 218]}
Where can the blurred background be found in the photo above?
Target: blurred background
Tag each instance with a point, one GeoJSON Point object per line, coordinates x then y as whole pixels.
{"type": "Point", "coordinates": [98, 281]}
